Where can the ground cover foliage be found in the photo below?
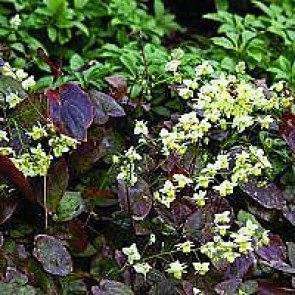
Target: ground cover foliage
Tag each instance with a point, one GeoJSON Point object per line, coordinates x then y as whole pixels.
{"type": "Point", "coordinates": [140, 157]}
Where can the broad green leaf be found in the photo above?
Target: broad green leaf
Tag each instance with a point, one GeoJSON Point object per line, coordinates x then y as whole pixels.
{"type": "Point", "coordinates": [70, 206]}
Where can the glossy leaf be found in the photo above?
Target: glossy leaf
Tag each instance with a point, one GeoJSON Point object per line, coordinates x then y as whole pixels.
{"type": "Point", "coordinates": [241, 268]}
{"type": "Point", "coordinates": [108, 287]}
{"type": "Point", "coordinates": [291, 253]}
{"type": "Point", "coordinates": [31, 110]}
{"type": "Point", "coordinates": [287, 129]}
{"type": "Point", "coordinates": [70, 110]}
{"type": "Point", "coordinates": [105, 106]}
{"type": "Point", "coordinates": [137, 200]}
{"type": "Point", "coordinates": [53, 255]}
{"type": "Point", "coordinates": [268, 195]}
{"type": "Point", "coordinates": [274, 251]}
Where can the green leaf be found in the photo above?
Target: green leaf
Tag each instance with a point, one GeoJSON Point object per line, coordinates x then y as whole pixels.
{"type": "Point", "coordinates": [76, 62]}
{"type": "Point", "coordinates": [52, 34]}
{"type": "Point", "coordinates": [80, 3]}
{"type": "Point", "coordinates": [221, 5]}
{"type": "Point", "coordinates": [70, 206]}
{"type": "Point", "coordinates": [162, 111]}
{"type": "Point", "coordinates": [130, 62]}
{"type": "Point", "coordinates": [223, 42]}
{"type": "Point", "coordinates": [244, 216]}
{"type": "Point", "coordinates": [159, 8]}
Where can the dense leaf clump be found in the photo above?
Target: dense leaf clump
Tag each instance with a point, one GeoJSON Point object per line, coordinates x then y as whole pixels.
{"type": "Point", "coordinates": [128, 167]}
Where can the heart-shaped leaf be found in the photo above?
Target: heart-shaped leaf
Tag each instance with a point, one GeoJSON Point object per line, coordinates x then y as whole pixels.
{"type": "Point", "coordinates": [274, 251]}
{"type": "Point", "coordinates": [52, 255]}
{"type": "Point", "coordinates": [229, 287]}
{"type": "Point", "coordinates": [31, 110]}
{"type": "Point", "coordinates": [108, 287]}
{"type": "Point", "coordinates": [241, 267]}
{"type": "Point", "coordinates": [118, 86]}
{"type": "Point", "coordinates": [104, 107]}
{"type": "Point", "coordinates": [136, 201]}
{"type": "Point", "coordinates": [268, 195]}
{"type": "Point", "coordinates": [70, 110]}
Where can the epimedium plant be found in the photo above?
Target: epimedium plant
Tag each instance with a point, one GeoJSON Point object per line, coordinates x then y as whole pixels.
{"type": "Point", "coordinates": [120, 200]}
{"type": "Point", "coordinates": [192, 177]}
{"type": "Point", "coordinates": [37, 132]}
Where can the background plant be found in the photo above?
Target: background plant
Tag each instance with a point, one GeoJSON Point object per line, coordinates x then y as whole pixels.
{"type": "Point", "coordinates": [264, 41]}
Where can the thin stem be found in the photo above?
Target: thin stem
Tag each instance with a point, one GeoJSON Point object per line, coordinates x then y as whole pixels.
{"type": "Point", "coordinates": [45, 200]}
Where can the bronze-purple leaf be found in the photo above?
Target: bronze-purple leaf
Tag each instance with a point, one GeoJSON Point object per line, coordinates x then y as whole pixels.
{"type": "Point", "coordinates": [53, 256]}
{"type": "Point", "coordinates": [16, 178]}
{"type": "Point", "coordinates": [109, 287]}
{"type": "Point", "coordinates": [118, 86]}
{"type": "Point", "coordinates": [241, 268]}
{"type": "Point", "coordinates": [7, 207]}
{"type": "Point", "coordinates": [274, 251]}
{"type": "Point", "coordinates": [105, 106]}
{"type": "Point", "coordinates": [268, 287]}
{"type": "Point", "coordinates": [70, 110]}
{"type": "Point", "coordinates": [137, 200]}
{"type": "Point", "coordinates": [229, 287]}
{"type": "Point", "coordinates": [268, 195]}
{"type": "Point", "coordinates": [282, 266]}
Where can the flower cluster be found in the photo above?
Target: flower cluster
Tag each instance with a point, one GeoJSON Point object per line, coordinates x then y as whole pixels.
{"type": "Point", "coordinates": [247, 239]}
{"type": "Point", "coordinates": [27, 81]}
{"type": "Point", "coordinates": [128, 171]}
{"type": "Point", "coordinates": [133, 258]}
{"type": "Point", "coordinates": [189, 130]}
{"type": "Point", "coordinates": [36, 159]}
{"type": "Point", "coordinates": [194, 173]}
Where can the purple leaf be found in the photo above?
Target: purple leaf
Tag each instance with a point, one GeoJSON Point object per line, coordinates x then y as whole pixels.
{"type": "Point", "coordinates": [108, 287]}
{"type": "Point", "coordinates": [287, 129]}
{"type": "Point", "coordinates": [13, 176]}
{"type": "Point", "coordinates": [274, 251]}
{"type": "Point", "coordinates": [70, 110]}
{"type": "Point", "coordinates": [197, 223]}
{"type": "Point", "coordinates": [291, 253]}
{"type": "Point", "coordinates": [105, 106]}
{"type": "Point", "coordinates": [269, 195]}
{"type": "Point", "coordinates": [282, 266]}
{"type": "Point", "coordinates": [241, 268]}
{"type": "Point", "coordinates": [118, 86]}
{"type": "Point", "coordinates": [289, 215]}
{"type": "Point", "coordinates": [137, 200]}
{"type": "Point", "coordinates": [7, 207]}
{"type": "Point", "coordinates": [229, 287]}
{"type": "Point", "coordinates": [52, 255]}
{"type": "Point", "coordinates": [267, 287]}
